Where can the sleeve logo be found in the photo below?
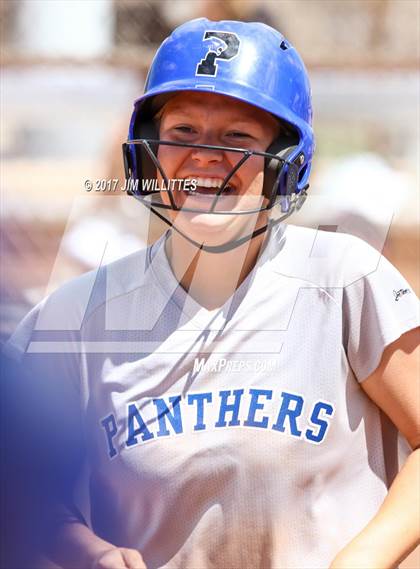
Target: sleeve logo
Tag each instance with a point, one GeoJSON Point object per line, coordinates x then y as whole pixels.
{"type": "Point", "coordinates": [399, 293]}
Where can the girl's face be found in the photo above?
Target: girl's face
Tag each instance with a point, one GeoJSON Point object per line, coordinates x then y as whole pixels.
{"type": "Point", "coordinates": [212, 119]}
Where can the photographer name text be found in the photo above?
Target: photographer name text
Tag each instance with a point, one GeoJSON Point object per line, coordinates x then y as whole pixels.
{"type": "Point", "coordinates": [134, 186]}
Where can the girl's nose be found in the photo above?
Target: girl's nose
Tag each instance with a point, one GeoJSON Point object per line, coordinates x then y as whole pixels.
{"type": "Point", "coordinates": [205, 156]}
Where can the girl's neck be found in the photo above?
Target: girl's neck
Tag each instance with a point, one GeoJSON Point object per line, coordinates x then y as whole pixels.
{"type": "Point", "coordinates": [211, 278]}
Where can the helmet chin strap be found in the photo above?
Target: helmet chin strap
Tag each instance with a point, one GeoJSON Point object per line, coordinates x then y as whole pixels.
{"type": "Point", "coordinates": [295, 205]}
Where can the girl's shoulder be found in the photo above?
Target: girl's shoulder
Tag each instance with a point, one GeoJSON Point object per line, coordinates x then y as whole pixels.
{"type": "Point", "coordinates": [324, 257]}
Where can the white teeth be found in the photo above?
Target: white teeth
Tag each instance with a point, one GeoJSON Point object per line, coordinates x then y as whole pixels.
{"type": "Point", "coordinates": [209, 182]}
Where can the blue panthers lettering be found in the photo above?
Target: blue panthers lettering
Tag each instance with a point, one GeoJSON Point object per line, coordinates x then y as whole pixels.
{"type": "Point", "coordinates": [199, 398]}
{"type": "Point", "coordinates": [226, 407]}
{"type": "Point", "coordinates": [111, 430]}
{"type": "Point", "coordinates": [133, 431]}
{"type": "Point", "coordinates": [164, 413]}
{"type": "Point", "coordinates": [315, 419]}
{"type": "Point", "coordinates": [291, 409]}
{"type": "Point", "coordinates": [256, 408]}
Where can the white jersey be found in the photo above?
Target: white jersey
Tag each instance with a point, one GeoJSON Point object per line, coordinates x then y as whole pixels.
{"type": "Point", "coordinates": [238, 437]}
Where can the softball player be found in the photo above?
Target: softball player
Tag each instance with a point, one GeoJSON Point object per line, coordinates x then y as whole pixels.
{"type": "Point", "coordinates": [224, 387]}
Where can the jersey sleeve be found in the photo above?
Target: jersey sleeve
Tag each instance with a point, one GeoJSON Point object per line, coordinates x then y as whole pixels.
{"type": "Point", "coordinates": [378, 307]}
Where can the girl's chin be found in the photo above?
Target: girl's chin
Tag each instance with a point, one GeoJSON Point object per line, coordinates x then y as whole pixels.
{"type": "Point", "coordinates": [205, 223]}
{"type": "Point", "coordinates": [213, 229]}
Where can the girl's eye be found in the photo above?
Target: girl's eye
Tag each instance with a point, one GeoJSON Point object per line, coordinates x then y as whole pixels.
{"type": "Point", "coordinates": [238, 134]}
{"type": "Point", "coordinates": [184, 129]}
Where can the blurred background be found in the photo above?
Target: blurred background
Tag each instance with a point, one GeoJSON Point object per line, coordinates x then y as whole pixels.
{"type": "Point", "coordinates": [70, 71]}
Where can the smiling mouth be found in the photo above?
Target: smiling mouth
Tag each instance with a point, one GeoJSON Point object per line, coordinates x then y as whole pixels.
{"type": "Point", "coordinates": [207, 192]}
{"type": "Point", "coordinates": [209, 187]}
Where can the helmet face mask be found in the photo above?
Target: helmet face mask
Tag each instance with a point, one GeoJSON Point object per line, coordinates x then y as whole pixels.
{"type": "Point", "coordinates": [148, 149]}
{"type": "Point", "coordinates": [227, 71]}
{"type": "Point", "coordinates": [222, 204]}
